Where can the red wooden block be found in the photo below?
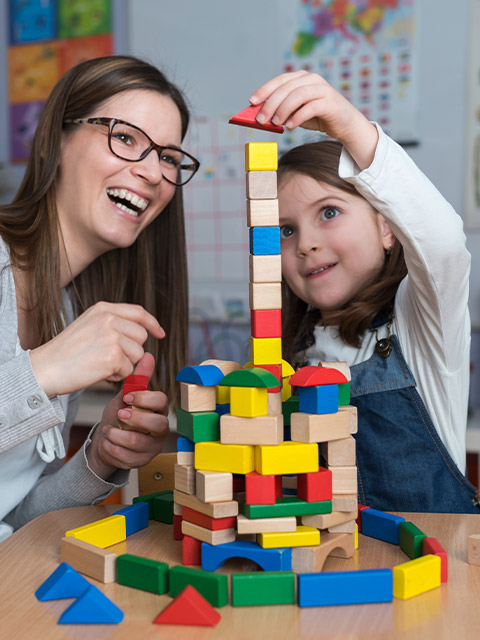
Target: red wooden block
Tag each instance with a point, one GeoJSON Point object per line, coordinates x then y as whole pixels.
{"type": "Point", "coordinates": [432, 545]}
{"type": "Point", "coordinates": [247, 118]}
{"type": "Point", "coordinates": [278, 487]}
{"type": "Point", "coordinates": [214, 524]}
{"type": "Point", "coordinates": [266, 323]}
{"type": "Point", "coordinates": [135, 383]}
{"type": "Point", "coordinates": [259, 489]}
{"type": "Point", "coordinates": [191, 551]}
{"type": "Point", "coordinates": [177, 527]}
{"type": "Point", "coordinates": [311, 376]}
{"type": "Point", "coordinates": [189, 608]}
{"type": "Point", "coordinates": [361, 507]}
{"type": "Point", "coordinates": [315, 486]}
{"type": "Point", "coordinates": [276, 369]}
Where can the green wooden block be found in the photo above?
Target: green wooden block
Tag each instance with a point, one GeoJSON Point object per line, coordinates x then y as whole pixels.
{"type": "Point", "coordinates": [149, 498]}
{"type": "Point", "coordinates": [253, 377]}
{"type": "Point", "coordinates": [142, 573]}
{"type": "Point", "coordinates": [286, 506]}
{"type": "Point", "coordinates": [263, 587]}
{"type": "Point", "coordinates": [198, 426]}
{"type": "Point", "coordinates": [288, 407]}
{"type": "Point", "coordinates": [163, 507]}
{"type": "Point", "coordinates": [212, 586]}
{"type": "Point", "coordinates": [343, 394]}
{"type": "Point", "coordinates": [410, 539]}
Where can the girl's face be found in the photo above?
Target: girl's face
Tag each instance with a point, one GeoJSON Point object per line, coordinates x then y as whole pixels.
{"type": "Point", "coordinates": [333, 242]}
{"type": "Point", "coordinates": [96, 189]}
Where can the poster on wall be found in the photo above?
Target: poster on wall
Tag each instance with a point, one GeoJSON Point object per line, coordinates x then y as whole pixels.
{"type": "Point", "coordinates": [472, 214]}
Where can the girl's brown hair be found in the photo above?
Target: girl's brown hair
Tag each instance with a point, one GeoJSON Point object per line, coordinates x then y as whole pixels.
{"type": "Point", "coordinates": [319, 160]}
{"type": "Point", "coordinates": [152, 272]}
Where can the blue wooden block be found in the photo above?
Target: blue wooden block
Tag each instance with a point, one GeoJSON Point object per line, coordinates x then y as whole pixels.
{"type": "Point", "coordinates": [184, 444]}
{"type": "Point", "coordinates": [64, 582]}
{"type": "Point", "coordinates": [344, 587]}
{"type": "Point", "coordinates": [264, 241]}
{"type": "Point", "coordinates": [268, 559]}
{"type": "Point", "coordinates": [136, 517]}
{"type": "Point", "coordinates": [206, 375]}
{"type": "Point", "coordinates": [319, 399]}
{"type": "Point", "coordinates": [93, 607]}
{"type": "Point", "coordinates": [380, 525]}
{"type": "Point", "coordinates": [222, 409]}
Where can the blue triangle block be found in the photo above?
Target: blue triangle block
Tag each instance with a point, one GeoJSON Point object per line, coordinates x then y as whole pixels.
{"type": "Point", "coordinates": [64, 582]}
{"type": "Point", "coordinates": [93, 607]}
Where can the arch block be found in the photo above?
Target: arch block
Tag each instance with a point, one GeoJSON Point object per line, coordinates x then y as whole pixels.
{"type": "Point", "coordinates": [268, 559]}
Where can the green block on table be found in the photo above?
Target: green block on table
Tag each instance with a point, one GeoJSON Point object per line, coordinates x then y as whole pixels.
{"type": "Point", "coordinates": [163, 507]}
{"type": "Point", "coordinates": [288, 407]}
{"type": "Point", "coordinates": [198, 426]}
{"type": "Point", "coordinates": [410, 539]}
{"type": "Point", "coordinates": [343, 394]}
{"type": "Point", "coordinates": [142, 573]}
{"type": "Point", "coordinates": [262, 588]}
{"type": "Point", "coordinates": [286, 506]}
{"type": "Point", "coordinates": [149, 498]}
{"type": "Point", "coordinates": [212, 586]}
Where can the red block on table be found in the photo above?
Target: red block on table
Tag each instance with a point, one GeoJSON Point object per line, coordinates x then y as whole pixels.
{"type": "Point", "coordinates": [177, 527]}
{"type": "Point", "coordinates": [260, 489]}
{"type": "Point", "coordinates": [214, 524]}
{"type": "Point", "coordinates": [432, 545]}
{"type": "Point", "coordinates": [247, 118]}
{"type": "Point", "coordinates": [361, 507]}
{"type": "Point", "coordinates": [191, 551]}
{"type": "Point", "coordinates": [266, 323]}
{"type": "Point", "coordinates": [189, 608]}
{"type": "Point", "coordinates": [315, 486]}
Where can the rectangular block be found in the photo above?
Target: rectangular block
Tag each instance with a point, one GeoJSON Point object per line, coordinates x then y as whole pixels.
{"type": "Point", "coordinates": [303, 537]}
{"type": "Point", "coordinates": [287, 457]}
{"type": "Point", "coordinates": [344, 502]}
{"type": "Point", "coordinates": [265, 295]}
{"type": "Point", "coordinates": [325, 521]}
{"type": "Point", "coordinates": [265, 525]}
{"type": "Point", "coordinates": [410, 539]}
{"type": "Point", "coordinates": [150, 497]}
{"type": "Point", "coordinates": [142, 573]}
{"type": "Point", "coordinates": [344, 479]}
{"type": "Point", "coordinates": [344, 587]}
{"type": "Point", "coordinates": [353, 416]}
{"type": "Point", "coordinates": [219, 536]}
{"type": "Point", "coordinates": [185, 478]}
{"type": "Point", "coordinates": [90, 560]}
{"type": "Point", "coordinates": [266, 350]}
{"type": "Point", "coordinates": [163, 507]}
{"type": "Point", "coordinates": [416, 576]}
{"type": "Point", "coordinates": [184, 444]}
{"type": "Point", "coordinates": [433, 546]}
{"type": "Point", "coordinates": [198, 426]}
{"type": "Point", "coordinates": [195, 397]}
{"type": "Point", "coordinates": [340, 453]}
{"type": "Point", "coordinates": [312, 427]}
{"type": "Point", "coordinates": [473, 549]}
{"type": "Point", "coordinates": [212, 586]}
{"type": "Point", "coordinates": [233, 458]}
{"type": "Point", "coordinates": [102, 533]}
{"type": "Point", "coordinates": [186, 458]}
{"type": "Point", "coordinates": [214, 486]}
{"type": "Point", "coordinates": [261, 156]}
{"type": "Point", "coordinates": [212, 509]}
{"type": "Point", "coordinates": [190, 515]}
{"type": "Point", "coordinates": [136, 517]}
{"type": "Point", "coordinates": [262, 213]}
{"type": "Point", "coordinates": [261, 430]}
{"type": "Point", "coordinates": [345, 527]}
{"type": "Point", "coordinates": [265, 268]}
{"type": "Point", "coordinates": [264, 241]}
{"type": "Point", "coordinates": [261, 185]}
{"type": "Point", "coordinates": [263, 588]}
{"type": "Point", "coordinates": [380, 525]}
{"type": "Point", "coordinates": [286, 506]}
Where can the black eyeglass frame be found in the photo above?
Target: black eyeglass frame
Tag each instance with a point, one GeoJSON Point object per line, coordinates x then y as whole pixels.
{"type": "Point", "coordinates": [111, 122]}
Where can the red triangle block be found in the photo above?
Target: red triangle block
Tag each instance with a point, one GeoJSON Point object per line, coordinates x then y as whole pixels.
{"type": "Point", "coordinates": [189, 608]}
{"type": "Point", "coordinates": [247, 118]}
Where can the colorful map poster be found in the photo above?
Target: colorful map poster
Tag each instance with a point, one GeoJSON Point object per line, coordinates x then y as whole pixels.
{"type": "Point", "coordinates": [365, 49]}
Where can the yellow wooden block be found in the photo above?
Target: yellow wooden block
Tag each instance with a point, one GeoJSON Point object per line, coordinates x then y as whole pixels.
{"type": "Point", "coordinates": [416, 576]}
{"type": "Point", "coordinates": [287, 457]}
{"type": "Point", "coordinates": [302, 537]}
{"type": "Point", "coordinates": [286, 389]}
{"type": "Point", "coordinates": [222, 395]}
{"type": "Point", "coordinates": [233, 458]}
{"type": "Point", "coordinates": [248, 402]}
{"type": "Point", "coordinates": [356, 536]}
{"type": "Point", "coordinates": [102, 533]}
{"type": "Point", "coordinates": [266, 350]}
{"type": "Point", "coordinates": [261, 156]}
{"type": "Point", "coordinates": [262, 213]}
{"type": "Point", "coordinates": [265, 268]}
{"type": "Point", "coordinates": [265, 295]}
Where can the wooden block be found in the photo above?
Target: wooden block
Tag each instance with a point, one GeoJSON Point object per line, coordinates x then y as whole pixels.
{"type": "Point", "coordinates": [213, 509]}
{"type": "Point", "coordinates": [290, 482]}
{"type": "Point", "coordinates": [89, 559]}
{"type": "Point", "coordinates": [222, 536]}
{"type": "Point", "coordinates": [345, 527]}
{"type": "Point", "coordinates": [268, 559]}
{"type": "Point", "coordinates": [340, 453]}
{"type": "Point", "coordinates": [344, 502]}
{"type": "Point", "coordinates": [261, 156]}
{"type": "Point", "coordinates": [190, 515]}
{"type": "Point", "coordinates": [177, 527]}
{"type": "Point", "coordinates": [274, 403]}
{"type": "Point", "coordinates": [150, 498]}
{"type": "Point", "coordinates": [264, 241]}
{"type": "Point", "coordinates": [102, 533]}
{"type": "Point", "coordinates": [266, 350]}
{"type": "Point", "coordinates": [177, 509]}
{"type": "Point", "coordinates": [344, 479]}
{"type": "Point", "coordinates": [341, 366]}
{"type": "Point", "coordinates": [311, 427]}
{"type": "Point", "coordinates": [225, 366]}
{"type": "Point", "coordinates": [312, 559]}
{"type": "Point", "coordinates": [380, 525]}
{"type": "Point", "coordinates": [416, 576]}
{"type": "Point", "coordinates": [328, 520]}
{"type": "Point", "coordinates": [260, 489]}
{"type": "Point", "coordinates": [267, 430]}
{"type": "Point", "coordinates": [316, 486]}
{"type": "Point", "coordinates": [263, 588]}
{"type": "Point", "coordinates": [286, 506]}
{"type": "Point", "coordinates": [136, 515]}
{"type": "Point", "coordinates": [142, 573]}
{"type": "Point", "coordinates": [285, 458]}
{"type": "Point", "coordinates": [189, 608]}
{"type": "Point", "coordinates": [248, 402]}
{"type": "Point", "coordinates": [265, 525]}
{"type": "Point", "coordinates": [353, 414]}
{"type": "Point", "coordinates": [198, 426]}
{"type": "Point", "coordinates": [212, 586]}
{"type": "Point", "coordinates": [186, 458]}
{"type": "Point", "coordinates": [248, 118]}
{"type": "Point", "coordinates": [410, 539]}
{"type": "Point", "coordinates": [185, 478]}
{"type": "Point", "coordinates": [214, 486]}
{"type": "Point", "coordinates": [222, 395]}
{"type": "Point", "coordinates": [433, 546]}
{"type": "Point", "coordinates": [262, 213]}
{"type": "Point", "coordinates": [319, 399]}
{"type": "Point", "coordinates": [303, 537]}
{"type": "Point", "coordinates": [194, 397]}
{"type": "Point", "coordinates": [261, 185]}
{"type": "Point", "coordinates": [265, 268]}
{"type": "Point", "coordinates": [163, 507]}
{"type": "Point", "coordinates": [266, 323]}
{"type": "Point", "coordinates": [233, 458]}
{"type": "Point", "coordinates": [344, 587]}
{"type": "Point", "coordinates": [207, 375]}
{"type": "Point", "coordinates": [265, 295]}
{"type": "Point", "coordinates": [286, 389]}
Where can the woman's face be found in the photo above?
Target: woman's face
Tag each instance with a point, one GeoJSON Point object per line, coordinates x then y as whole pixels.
{"type": "Point", "coordinates": [103, 201]}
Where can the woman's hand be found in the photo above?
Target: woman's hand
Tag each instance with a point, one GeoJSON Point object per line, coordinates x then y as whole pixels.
{"type": "Point", "coordinates": [114, 448]}
{"type": "Point", "coordinates": [103, 343]}
{"type": "Point", "coordinates": [304, 99]}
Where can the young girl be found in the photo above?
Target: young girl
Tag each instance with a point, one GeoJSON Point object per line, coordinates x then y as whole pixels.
{"type": "Point", "coordinates": [92, 274]}
{"type": "Point", "coordinates": [376, 274]}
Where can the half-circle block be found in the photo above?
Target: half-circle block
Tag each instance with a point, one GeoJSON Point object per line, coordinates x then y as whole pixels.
{"type": "Point", "coordinates": [254, 377]}
{"type": "Point", "coordinates": [247, 118]}
{"type": "Point", "coordinates": [268, 559]}
{"type": "Point", "coordinates": [312, 376]}
{"type": "Point", "coordinates": [207, 375]}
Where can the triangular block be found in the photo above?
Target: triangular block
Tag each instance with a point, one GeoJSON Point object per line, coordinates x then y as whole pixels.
{"type": "Point", "coordinates": [64, 582]}
{"type": "Point", "coordinates": [93, 607]}
{"type": "Point", "coordinates": [246, 118]}
{"type": "Point", "coordinates": [189, 608]}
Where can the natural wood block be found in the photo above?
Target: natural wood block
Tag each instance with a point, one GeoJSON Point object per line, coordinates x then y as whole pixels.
{"type": "Point", "coordinates": [345, 527]}
{"type": "Point", "coordinates": [265, 268]}
{"type": "Point", "coordinates": [212, 509]}
{"type": "Point", "coordinates": [177, 509]}
{"type": "Point", "coordinates": [328, 520]}
{"type": "Point", "coordinates": [265, 525]}
{"type": "Point", "coordinates": [185, 478]}
{"type": "Point", "coordinates": [262, 213]}
{"type": "Point", "coordinates": [275, 404]}
{"type": "Point", "coordinates": [344, 479]}
{"type": "Point", "coordinates": [261, 184]}
{"type": "Point", "coordinates": [339, 366]}
{"type": "Point", "coordinates": [340, 453]}
{"type": "Point", "coordinates": [312, 559]}
{"type": "Point", "coordinates": [344, 502]}
{"type": "Point", "coordinates": [214, 486]}
{"type": "Point", "coordinates": [261, 156]}
{"type": "Point", "coordinates": [473, 547]}
{"type": "Point", "coordinates": [220, 536]}
{"type": "Point", "coordinates": [313, 427]}
{"type": "Point", "coordinates": [225, 366]}
{"type": "Point", "coordinates": [253, 431]}
{"type": "Point", "coordinates": [353, 414]}
{"type": "Point", "coordinates": [194, 397]}
{"type": "Point", "coordinates": [90, 560]}
{"type": "Point", "coordinates": [265, 295]}
{"type": "Point", "coordinates": [186, 458]}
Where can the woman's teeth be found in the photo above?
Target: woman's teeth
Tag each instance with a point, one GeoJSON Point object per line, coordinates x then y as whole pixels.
{"type": "Point", "coordinates": [127, 201]}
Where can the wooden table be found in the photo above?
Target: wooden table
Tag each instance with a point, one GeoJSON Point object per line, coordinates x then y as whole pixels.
{"type": "Point", "coordinates": [29, 556]}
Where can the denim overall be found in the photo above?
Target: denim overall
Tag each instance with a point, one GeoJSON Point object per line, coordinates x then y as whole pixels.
{"type": "Point", "coordinates": [402, 463]}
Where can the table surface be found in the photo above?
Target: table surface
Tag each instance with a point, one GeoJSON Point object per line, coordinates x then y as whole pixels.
{"type": "Point", "coordinates": [31, 554]}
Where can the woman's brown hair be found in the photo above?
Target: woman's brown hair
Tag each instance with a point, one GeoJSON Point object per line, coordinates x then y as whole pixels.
{"type": "Point", "coordinates": [319, 160]}
{"type": "Point", "coordinates": [152, 272]}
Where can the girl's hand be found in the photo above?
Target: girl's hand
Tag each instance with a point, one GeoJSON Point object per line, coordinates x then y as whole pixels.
{"type": "Point", "coordinates": [303, 99]}
{"type": "Point", "coordinates": [104, 343]}
{"type": "Point", "coordinates": [114, 448]}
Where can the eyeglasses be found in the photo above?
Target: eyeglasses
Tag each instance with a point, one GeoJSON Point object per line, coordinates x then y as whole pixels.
{"type": "Point", "coordinates": [128, 142]}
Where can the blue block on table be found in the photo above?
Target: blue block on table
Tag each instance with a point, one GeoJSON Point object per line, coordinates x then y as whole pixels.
{"type": "Point", "coordinates": [344, 587]}
{"type": "Point", "coordinates": [64, 582]}
{"type": "Point", "coordinates": [93, 607]}
{"type": "Point", "coordinates": [136, 517]}
{"type": "Point", "coordinates": [380, 525]}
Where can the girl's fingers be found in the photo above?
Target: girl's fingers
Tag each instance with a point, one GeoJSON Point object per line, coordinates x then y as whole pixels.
{"type": "Point", "coordinates": [263, 92]}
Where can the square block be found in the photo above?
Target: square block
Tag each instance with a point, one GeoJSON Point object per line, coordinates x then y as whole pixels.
{"type": "Point", "coordinates": [261, 156]}
{"type": "Point", "coordinates": [344, 479]}
{"type": "Point", "coordinates": [262, 213]}
{"type": "Point", "coordinates": [185, 478]}
{"type": "Point", "coordinates": [194, 397]}
{"type": "Point", "coordinates": [214, 486]}
{"type": "Point", "coordinates": [265, 268]}
{"type": "Point", "coordinates": [288, 457]}
{"type": "Point", "coordinates": [264, 240]}
{"type": "Point", "coordinates": [248, 402]}
{"type": "Point", "coordinates": [251, 431]}
{"type": "Point", "coordinates": [266, 295]}
{"type": "Point", "coordinates": [316, 486]}
{"type": "Point", "coordinates": [340, 453]}
{"type": "Point", "coordinates": [233, 458]}
{"type": "Point", "coordinates": [266, 350]}
{"type": "Point", "coordinates": [319, 399]}
{"type": "Point", "coordinates": [313, 427]}
{"type": "Point", "coordinates": [274, 407]}
{"type": "Point", "coordinates": [259, 489]}
{"type": "Point", "coordinates": [266, 323]}
{"type": "Point", "coordinates": [261, 184]}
